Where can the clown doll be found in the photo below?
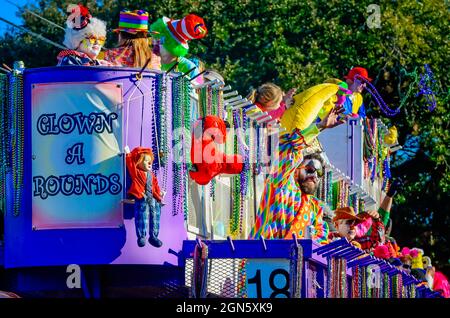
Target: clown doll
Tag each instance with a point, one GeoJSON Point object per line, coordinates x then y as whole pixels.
{"type": "Point", "coordinates": [207, 160]}
{"type": "Point", "coordinates": [170, 41]}
{"type": "Point", "coordinates": [147, 195]}
{"type": "Point", "coordinates": [84, 37]}
{"type": "Point", "coordinates": [345, 221]}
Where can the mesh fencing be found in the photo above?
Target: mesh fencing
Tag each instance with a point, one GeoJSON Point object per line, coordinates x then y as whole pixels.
{"type": "Point", "coordinates": [224, 275]}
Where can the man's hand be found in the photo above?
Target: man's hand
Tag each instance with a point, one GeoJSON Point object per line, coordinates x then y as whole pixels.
{"type": "Point", "coordinates": [396, 186]}
{"type": "Point", "coordinates": [332, 119]}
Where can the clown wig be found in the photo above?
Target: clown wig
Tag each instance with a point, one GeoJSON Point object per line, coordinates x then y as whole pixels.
{"type": "Point", "coordinates": [73, 38]}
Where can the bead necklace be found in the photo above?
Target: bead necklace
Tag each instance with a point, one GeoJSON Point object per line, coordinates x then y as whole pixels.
{"type": "Point", "coordinates": [341, 192]}
{"type": "Point", "coordinates": [212, 189]}
{"type": "Point", "coordinates": [335, 195]}
{"type": "Point", "coordinates": [387, 287]}
{"type": "Point", "coordinates": [209, 100]}
{"type": "Point", "coordinates": [242, 280]}
{"type": "Point", "coordinates": [245, 152]}
{"type": "Point", "coordinates": [17, 113]}
{"type": "Point", "coordinates": [202, 101]}
{"type": "Point", "coordinates": [236, 206]}
{"type": "Point", "coordinates": [329, 194]}
{"type": "Point", "coordinates": [296, 270]}
{"type": "Point", "coordinates": [235, 225]}
{"type": "Point", "coordinates": [412, 291]}
{"type": "Point", "coordinates": [373, 91]}
{"type": "Point", "coordinates": [329, 280]}
{"type": "Point", "coordinates": [364, 282]}
{"type": "Point", "coordinates": [343, 277]}
{"type": "Point", "coordinates": [355, 282]}
{"type": "Point", "coordinates": [258, 149]}
{"type": "Point", "coordinates": [165, 113]}
{"type": "Point", "coordinates": [187, 128]}
{"type": "Point", "coordinates": [337, 277]}
{"type": "Point", "coordinates": [220, 104]}
{"type": "Point", "coordinates": [400, 285]}
{"type": "Point", "coordinates": [4, 135]}
{"type": "Point", "coordinates": [426, 85]}
{"type": "Point", "coordinates": [156, 125]}
{"type": "Point", "coordinates": [176, 125]}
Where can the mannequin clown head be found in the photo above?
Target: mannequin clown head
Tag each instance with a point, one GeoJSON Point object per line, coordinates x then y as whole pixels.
{"type": "Point", "coordinates": [89, 38]}
{"type": "Point", "coordinates": [170, 37]}
{"type": "Point", "coordinates": [345, 222]}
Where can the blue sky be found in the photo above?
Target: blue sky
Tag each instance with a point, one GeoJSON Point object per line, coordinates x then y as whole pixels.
{"type": "Point", "coordinates": [8, 12]}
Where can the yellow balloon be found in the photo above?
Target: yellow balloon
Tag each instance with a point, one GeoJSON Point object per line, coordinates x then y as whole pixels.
{"type": "Point", "coordinates": [307, 105]}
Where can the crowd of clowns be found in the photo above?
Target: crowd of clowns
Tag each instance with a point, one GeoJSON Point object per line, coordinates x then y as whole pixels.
{"type": "Point", "coordinates": [288, 205]}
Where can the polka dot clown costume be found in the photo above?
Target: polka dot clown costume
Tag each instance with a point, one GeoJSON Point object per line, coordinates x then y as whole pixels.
{"type": "Point", "coordinates": [284, 209]}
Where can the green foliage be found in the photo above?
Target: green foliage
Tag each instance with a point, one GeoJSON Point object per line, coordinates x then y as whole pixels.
{"type": "Point", "coordinates": [301, 43]}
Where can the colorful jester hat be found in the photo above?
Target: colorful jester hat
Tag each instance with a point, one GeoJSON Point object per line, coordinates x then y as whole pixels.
{"type": "Point", "coordinates": [175, 34]}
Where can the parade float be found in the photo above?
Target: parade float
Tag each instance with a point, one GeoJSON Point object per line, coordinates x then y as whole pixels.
{"type": "Point", "coordinates": [64, 192]}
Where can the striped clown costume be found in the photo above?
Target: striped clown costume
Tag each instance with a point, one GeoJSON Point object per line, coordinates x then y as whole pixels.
{"type": "Point", "coordinates": [284, 209]}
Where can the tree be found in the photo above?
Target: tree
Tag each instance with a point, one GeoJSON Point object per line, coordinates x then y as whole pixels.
{"type": "Point", "coordinates": [301, 43]}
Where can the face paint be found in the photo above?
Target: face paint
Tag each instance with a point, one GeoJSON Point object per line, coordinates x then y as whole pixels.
{"type": "Point", "coordinates": [307, 175]}
{"type": "Point", "coordinates": [313, 166]}
{"type": "Point", "coordinates": [91, 49]}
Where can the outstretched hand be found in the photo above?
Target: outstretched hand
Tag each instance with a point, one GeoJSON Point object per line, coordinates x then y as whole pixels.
{"type": "Point", "coordinates": [395, 187]}
{"type": "Point", "coordinates": [333, 118]}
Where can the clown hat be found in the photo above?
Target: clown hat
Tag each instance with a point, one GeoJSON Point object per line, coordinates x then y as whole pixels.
{"type": "Point", "coordinates": [189, 28]}
{"type": "Point", "coordinates": [347, 213]}
{"type": "Point", "coordinates": [82, 25]}
{"type": "Point", "coordinates": [175, 34]}
{"type": "Point", "coordinates": [81, 17]}
{"type": "Point", "coordinates": [361, 71]}
{"type": "Point", "coordinates": [133, 21]}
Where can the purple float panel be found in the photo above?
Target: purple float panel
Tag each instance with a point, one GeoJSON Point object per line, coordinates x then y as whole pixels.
{"type": "Point", "coordinates": [115, 241]}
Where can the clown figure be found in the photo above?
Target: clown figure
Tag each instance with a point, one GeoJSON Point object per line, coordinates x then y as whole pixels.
{"type": "Point", "coordinates": [170, 41]}
{"type": "Point", "coordinates": [84, 37]}
{"type": "Point", "coordinates": [147, 195]}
